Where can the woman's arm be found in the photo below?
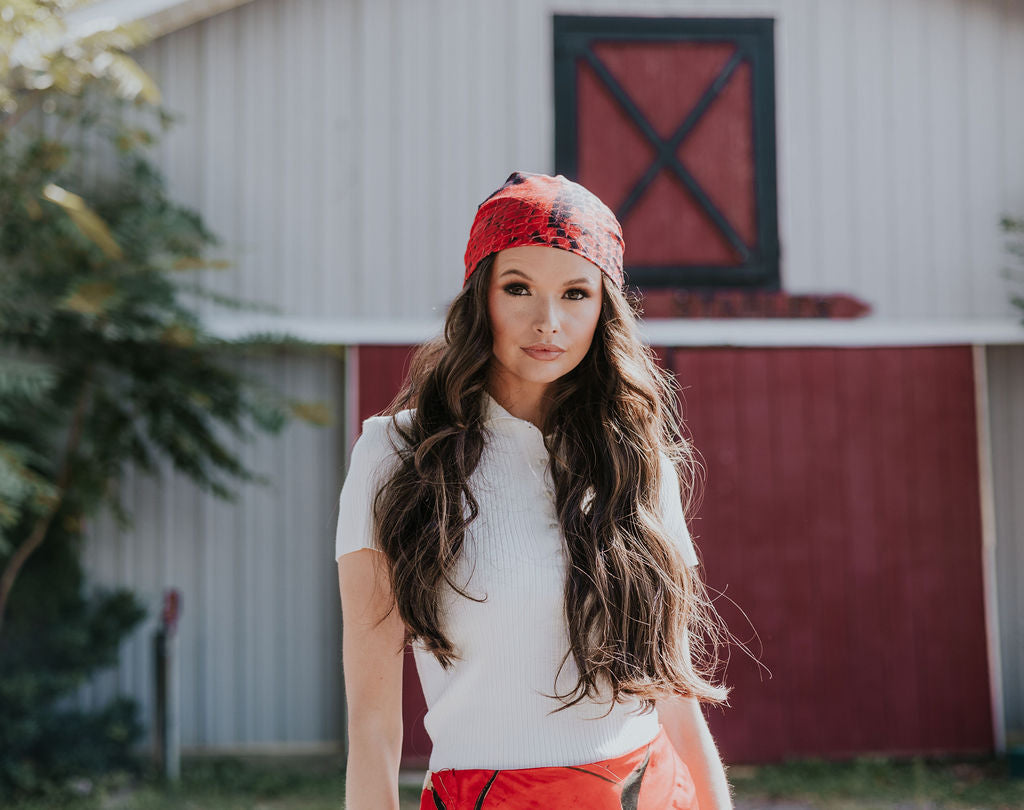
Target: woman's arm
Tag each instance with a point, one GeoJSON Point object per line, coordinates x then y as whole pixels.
{"type": "Point", "coordinates": [372, 659]}
{"type": "Point", "coordinates": [688, 730]}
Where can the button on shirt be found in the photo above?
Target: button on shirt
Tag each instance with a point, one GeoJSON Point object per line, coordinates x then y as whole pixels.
{"type": "Point", "coordinates": [488, 711]}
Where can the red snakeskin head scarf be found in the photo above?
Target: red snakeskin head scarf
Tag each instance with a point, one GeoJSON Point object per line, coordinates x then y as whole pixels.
{"type": "Point", "coordinates": [537, 209]}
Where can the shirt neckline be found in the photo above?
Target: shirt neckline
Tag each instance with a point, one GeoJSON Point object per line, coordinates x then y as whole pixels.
{"type": "Point", "coordinates": [495, 412]}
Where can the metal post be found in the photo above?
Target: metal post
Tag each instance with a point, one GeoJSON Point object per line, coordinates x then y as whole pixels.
{"type": "Point", "coordinates": [165, 654]}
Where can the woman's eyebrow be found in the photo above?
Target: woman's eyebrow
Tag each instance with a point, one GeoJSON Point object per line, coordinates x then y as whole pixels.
{"type": "Point", "coordinates": [517, 272]}
{"type": "Point", "coordinates": [521, 273]}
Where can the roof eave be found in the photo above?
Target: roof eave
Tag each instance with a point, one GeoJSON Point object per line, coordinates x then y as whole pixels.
{"type": "Point", "coordinates": [161, 17]}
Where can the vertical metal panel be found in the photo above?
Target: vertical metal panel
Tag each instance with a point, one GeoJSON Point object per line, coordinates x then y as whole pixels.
{"type": "Point", "coordinates": [908, 133]}
{"type": "Point", "coordinates": [944, 109]}
{"type": "Point", "coordinates": [415, 122]}
{"type": "Point", "coordinates": [1010, 118]}
{"type": "Point", "coordinates": [260, 630]}
{"type": "Point", "coordinates": [984, 67]}
{"type": "Point", "coordinates": [796, 55]}
{"type": "Point", "coordinates": [1006, 412]}
{"type": "Point", "coordinates": [337, 197]}
{"type": "Point", "coordinates": [374, 264]}
{"type": "Point", "coordinates": [872, 40]}
{"type": "Point", "coordinates": [986, 493]}
{"type": "Point", "coordinates": [833, 126]}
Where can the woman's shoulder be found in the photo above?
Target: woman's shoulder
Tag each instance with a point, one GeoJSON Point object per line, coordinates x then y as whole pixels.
{"type": "Point", "coordinates": [381, 429]}
{"type": "Point", "coordinates": [404, 418]}
{"type": "Point", "coordinates": [376, 448]}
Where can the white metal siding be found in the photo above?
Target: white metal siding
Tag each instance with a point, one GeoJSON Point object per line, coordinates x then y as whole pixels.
{"type": "Point", "coordinates": [341, 147]}
{"type": "Point", "coordinates": [1006, 414]}
{"type": "Point", "coordinates": [260, 633]}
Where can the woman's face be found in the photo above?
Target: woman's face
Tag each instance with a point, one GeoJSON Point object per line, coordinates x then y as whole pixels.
{"type": "Point", "coordinates": [541, 295]}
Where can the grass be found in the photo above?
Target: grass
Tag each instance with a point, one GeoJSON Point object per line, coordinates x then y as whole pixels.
{"type": "Point", "coordinates": [880, 781]}
{"type": "Point", "coordinates": [221, 783]}
{"type": "Point", "coordinates": [319, 783]}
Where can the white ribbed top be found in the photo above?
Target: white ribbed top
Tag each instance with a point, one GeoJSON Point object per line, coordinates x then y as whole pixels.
{"type": "Point", "coordinates": [487, 711]}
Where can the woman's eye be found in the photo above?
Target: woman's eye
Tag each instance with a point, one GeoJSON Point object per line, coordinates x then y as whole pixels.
{"type": "Point", "coordinates": [512, 289]}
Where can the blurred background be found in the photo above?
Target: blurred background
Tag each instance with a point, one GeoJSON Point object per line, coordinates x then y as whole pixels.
{"type": "Point", "coordinates": [821, 204]}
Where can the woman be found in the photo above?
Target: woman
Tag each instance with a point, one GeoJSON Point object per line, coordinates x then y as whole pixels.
{"type": "Point", "coordinates": [517, 518]}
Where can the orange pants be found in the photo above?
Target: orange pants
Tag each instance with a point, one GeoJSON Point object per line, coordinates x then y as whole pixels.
{"type": "Point", "coordinates": [651, 777]}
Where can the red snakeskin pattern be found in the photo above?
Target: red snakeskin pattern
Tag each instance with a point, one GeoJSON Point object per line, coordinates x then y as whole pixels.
{"type": "Point", "coordinates": [537, 209]}
{"type": "Point", "coordinates": [651, 777]}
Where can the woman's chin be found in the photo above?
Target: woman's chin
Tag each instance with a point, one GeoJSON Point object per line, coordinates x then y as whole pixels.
{"type": "Point", "coordinates": [548, 372]}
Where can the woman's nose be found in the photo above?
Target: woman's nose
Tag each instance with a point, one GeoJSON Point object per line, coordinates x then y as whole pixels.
{"type": "Point", "coordinates": [549, 314]}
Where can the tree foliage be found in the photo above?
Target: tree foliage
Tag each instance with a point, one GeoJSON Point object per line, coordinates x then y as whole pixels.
{"type": "Point", "coordinates": [43, 53]}
{"type": "Point", "coordinates": [104, 363]}
{"type": "Point", "coordinates": [1013, 228]}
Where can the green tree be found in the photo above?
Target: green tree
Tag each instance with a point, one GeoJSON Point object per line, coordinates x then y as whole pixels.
{"type": "Point", "coordinates": [104, 363]}
{"type": "Point", "coordinates": [1014, 230]}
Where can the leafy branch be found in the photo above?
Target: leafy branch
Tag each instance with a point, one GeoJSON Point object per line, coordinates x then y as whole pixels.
{"type": "Point", "coordinates": [103, 359]}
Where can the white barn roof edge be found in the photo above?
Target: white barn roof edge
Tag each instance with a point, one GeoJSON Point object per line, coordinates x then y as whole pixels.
{"type": "Point", "coordinates": [162, 17]}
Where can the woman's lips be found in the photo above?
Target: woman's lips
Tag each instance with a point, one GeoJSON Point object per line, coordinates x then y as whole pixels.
{"type": "Point", "coordinates": [542, 354]}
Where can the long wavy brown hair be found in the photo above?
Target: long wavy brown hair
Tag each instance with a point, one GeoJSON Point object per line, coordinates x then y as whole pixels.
{"type": "Point", "coordinates": [638, 617]}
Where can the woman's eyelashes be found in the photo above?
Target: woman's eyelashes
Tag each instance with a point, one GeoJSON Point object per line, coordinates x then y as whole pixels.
{"type": "Point", "coordinates": [583, 293]}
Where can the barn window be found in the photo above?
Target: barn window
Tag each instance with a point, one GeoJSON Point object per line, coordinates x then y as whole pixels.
{"type": "Point", "coordinates": [671, 121]}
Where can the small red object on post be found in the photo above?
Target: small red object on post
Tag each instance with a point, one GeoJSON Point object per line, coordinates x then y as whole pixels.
{"type": "Point", "coordinates": [172, 609]}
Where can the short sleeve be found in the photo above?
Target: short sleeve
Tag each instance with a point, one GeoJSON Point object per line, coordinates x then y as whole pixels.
{"type": "Point", "coordinates": [369, 461]}
{"type": "Point", "coordinates": [672, 510]}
